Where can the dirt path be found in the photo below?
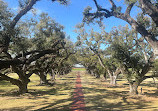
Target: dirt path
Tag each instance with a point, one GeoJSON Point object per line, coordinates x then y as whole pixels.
{"type": "Point", "coordinates": [78, 97]}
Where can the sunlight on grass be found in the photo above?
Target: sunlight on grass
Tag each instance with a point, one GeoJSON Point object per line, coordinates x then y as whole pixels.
{"type": "Point", "coordinates": [98, 95]}
{"type": "Point", "coordinates": [39, 97]}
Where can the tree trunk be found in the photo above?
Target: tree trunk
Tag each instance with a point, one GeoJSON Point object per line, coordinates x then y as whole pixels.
{"type": "Point", "coordinates": [113, 80]}
{"type": "Point", "coordinates": [23, 88]}
{"type": "Point", "coordinates": [97, 75]}
{"type": "Point", "coordinates": [21, 83]}
{"type": "Point", "coordinates": [105, 76]}
{"type": "Point", "coordinates": [133, 88]}
{"type": "Point", "coordinates": [52, 75]}
{"type": "Point", "coordinates": [43, 79]}
{"type": "Point", "coordinates": [113, 76]}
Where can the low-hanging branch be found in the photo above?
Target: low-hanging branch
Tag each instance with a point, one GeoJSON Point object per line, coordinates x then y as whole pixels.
{"type": "Point", "coordinates": [18, 61]}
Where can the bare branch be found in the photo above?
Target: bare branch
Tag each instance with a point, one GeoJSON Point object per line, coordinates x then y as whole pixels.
{"type": "Point", "coordinates": [100, 59]}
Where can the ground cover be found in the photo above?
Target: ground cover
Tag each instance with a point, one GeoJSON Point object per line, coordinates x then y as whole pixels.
{"type": "Point", "coordinates": [57, 97]}
{"type": "Point", "coordinates": [98, 95]}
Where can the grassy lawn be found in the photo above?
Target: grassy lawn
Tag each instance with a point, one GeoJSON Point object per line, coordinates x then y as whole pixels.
{"type": "Point", "coordinates": [99, 96]}
{"type": "Point", "coordinates": [57, 97]}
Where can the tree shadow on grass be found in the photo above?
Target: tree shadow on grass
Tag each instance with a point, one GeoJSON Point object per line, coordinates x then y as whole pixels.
{"type": "Point", "coordinates": [56, 106]}
{"type": "Point", "coordinates": [5, 83]}
{"type": "Point", "coordinates": [102, 102]}
{"type": "Point", "coordinates": [154, 94]}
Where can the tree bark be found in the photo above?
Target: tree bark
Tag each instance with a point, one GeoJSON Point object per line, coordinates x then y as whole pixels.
{"type": "Point", "coordinates": [133, 88]}
{"type": "Point", "coordinates": [113, 80]}
{"type": "Point", "coordinates": [43, 78]}
{"type": "Point", "coordinates": [21, 83]}
{"type": "Point", "coordinates": [113, 76]}
{"type": "Point", "coordinates": [150, 9]}
{"type": "Point", "coordinates": [52, 75]}
{"type": "Point", "coordinates": [23, 87]}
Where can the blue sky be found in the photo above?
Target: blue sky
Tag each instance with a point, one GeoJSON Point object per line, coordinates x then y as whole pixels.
{"type": "Point", "coordinates": [71, 15]}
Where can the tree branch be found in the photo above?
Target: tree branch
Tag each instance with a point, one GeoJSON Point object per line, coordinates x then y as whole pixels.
{"type": "Point", "coordinates": [100, 59]}
{"type": "Point", "coordinates": [129, 8]}
{"type": "Point", "coordinates": [150, 9]}
{"type": "Point", "coordinates": [35, 51]}
{"type": "Point", "coordinates": [22, 12]}
{"type": "Point", "coordinates": [12, 80]}
{"type": "Point", "coordinates": [99, 8]}
{"type": "Point", "coordinates": [18, 61]}
{"type": "Point", "coordinates": [113, 5]}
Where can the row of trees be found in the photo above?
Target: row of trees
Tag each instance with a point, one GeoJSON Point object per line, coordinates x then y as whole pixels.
{"type": "Point", "coordinates": [32, 46]}
{"type": "Point", "coordinates": [124, 50]}
{"type": "Point", "coordinates": [40, 46]}
{"type": "Point", "coordinates": [120, 51]}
